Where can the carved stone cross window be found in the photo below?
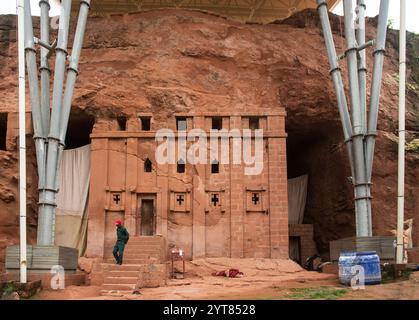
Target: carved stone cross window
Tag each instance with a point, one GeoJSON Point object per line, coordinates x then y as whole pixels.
{"type": "Point", "coordinates": [255, 198]}
{"type": "Point", "coordinates": [214, 199]}
{"type": "Point", "coordinates": [116, 198]}
{"type": "Point", "coordinates": [180, 199]}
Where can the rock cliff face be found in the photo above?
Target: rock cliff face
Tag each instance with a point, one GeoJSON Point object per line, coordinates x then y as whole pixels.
{"type": "Point", "coordinates": [166, 61]}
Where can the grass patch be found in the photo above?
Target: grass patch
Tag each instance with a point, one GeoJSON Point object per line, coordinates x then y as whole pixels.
{"type": "Point", "coordinates": [409, 85]}
{"type": "Point", "coordinates": [413, 146]}
{"type": "Point", "coordinates": [9, 288]}
{"type": "Point", "coordinates": [321, 293]}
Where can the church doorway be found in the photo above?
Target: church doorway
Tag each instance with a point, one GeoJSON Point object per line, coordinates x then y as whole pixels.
{"type": "Point", "coordinates": [146, 215]}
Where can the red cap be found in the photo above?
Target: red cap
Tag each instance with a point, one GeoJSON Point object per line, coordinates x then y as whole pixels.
{"type": "Point", "coordinates": [118, 222]}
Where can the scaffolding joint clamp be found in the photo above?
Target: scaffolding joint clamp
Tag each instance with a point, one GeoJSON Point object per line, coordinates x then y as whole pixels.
{"type": "Point", "coordinates": [360, 184]}
{"type": "Point", "coordinates": [363, 198]}
{"type": "Point", "coordinates": [38, 137]}
{"type": "Point", "coordinates": [346, 141]}
{"type": "Point", "coordinates": [44, 2]}
{"type": "Point", "coordinates": [53, 138]}
{"type": "Point", "coordinates": [62, 50]}
{"type": "Point", "coordinates": [73, 69]}
{"type": "Point", "coordinates": [30, 48]}
{"type": "Point", "coordinates": [321, 3]}
{"type": "Point", "coordinates": [45, 69]}
{"type": "Point", "coordinates": [354, 135]}
{"type": "Point", "coordinates": [377, 51]}
{"type": "Point", "coordinates": [354, 48]}
{"type": "Point", "coordinates": [50, 189]}
{"type": "Point", "coordinates": [334, 70]}
{"type": "Point", "coordinates": [371, 134]}
{"type": "Point", "coordinates": [85, 2]}
{"type": "Point", "coordinates": [47, 203]}
{"type": "Point", "coordinates": [363, 5]}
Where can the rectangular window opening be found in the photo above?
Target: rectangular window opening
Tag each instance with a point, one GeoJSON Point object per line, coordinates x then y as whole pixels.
{"type": "Point", "coordinates": [253, 123]}
{"type": "Point", "coordinates": [217, 123]}
{"type": "Point", "coordinates": [215, 167]}
{"type": "Point", "coordinates": [180, 166]}
{"type": "Point", "coordinates": [3, 130]}
{"type": "Point", "coordinates": [145, 123]}
{"type": "Point", "coordinates": [122, 123]}
{"type": "Point", "coordinates": [181, 123]}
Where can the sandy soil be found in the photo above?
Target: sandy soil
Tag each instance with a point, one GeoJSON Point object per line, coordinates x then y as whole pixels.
{"type": "Point", "coordinates": [243, 288]}
{"type": "Point", "coordinates": [264, 279]}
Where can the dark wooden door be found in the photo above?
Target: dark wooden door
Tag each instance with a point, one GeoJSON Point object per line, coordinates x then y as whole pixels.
{"type": "Point", "coordinates": [147, 217]}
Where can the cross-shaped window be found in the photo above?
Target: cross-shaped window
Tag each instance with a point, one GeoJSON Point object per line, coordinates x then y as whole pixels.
{"type": "Point", "coordinates": [214, 199]}
{"type": "Point", "coordinates": [180, 199]}
{"type": "Point", "coordinates": [255, 198]}
{"type": "Point", "coordinates": [117, 198]}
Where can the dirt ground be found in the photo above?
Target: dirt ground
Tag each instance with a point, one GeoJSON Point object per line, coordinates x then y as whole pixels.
{"type": "Point", "coordinates": [263, 279]}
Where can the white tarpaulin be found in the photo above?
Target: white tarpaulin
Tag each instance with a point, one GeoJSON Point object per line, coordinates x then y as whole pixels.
{"type": "Point", "coordinates": [72, 199]}
{"type": "Point", "coordinates": [297, 195]}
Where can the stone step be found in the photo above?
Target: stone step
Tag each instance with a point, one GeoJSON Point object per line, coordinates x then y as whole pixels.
{"type": "Point", "coordinates": [140, 278]}
{"type": "Point", "coordinates": [116, 293]}
{"type": "Point", "coordinates": [118, 287]}
{"type": "Point", "coordinates": [150, 257]}
{"type": "Point", "coordinates": [144, 252]}
{"type": "Point", "coordinates": [117, 273]}
{"type": "Point", "coordinates": [139, 249]}
{"type": "Point", "coordinates": [124, 267]}
{"type": "Point", "coordinates": [144, 247]}
{"type": "Point", "coordinates": [140, 245]}
{"type": "Point", "coordinates": [145, 241]}
{"type": "Point", "coordinates": [121, 280]}
{"type": "Point", "coordinates": [134, 261]}
{"type": "Point", "coordinates": [146, 238]}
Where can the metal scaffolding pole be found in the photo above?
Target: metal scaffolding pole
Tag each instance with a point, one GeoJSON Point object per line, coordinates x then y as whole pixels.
{"type": "Point", "coordinates": [22, 140]}
{"type": "Point", "coordinates": [362, 67]}
{"type": "Point", "coordinates": [71, 78]}
{"type": "Point", "coordinates": [73, 67]}
{"type": "Point", "coordinates": [402, 135]}
{"type": "Point", "coordinates": [48, 202]}
{"type": "Point", "coordinates": [361, 184]}
{"type": "Point", "coordinates": [376, 84]}
{"type": "Point", "coordinates": [30, 53]}
{"type": "Point", "coordinates": [44, 69]}
{"type": "Point", "coordinates": [335, 73]}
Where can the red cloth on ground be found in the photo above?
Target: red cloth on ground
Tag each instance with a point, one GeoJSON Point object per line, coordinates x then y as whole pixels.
{"type": "Point", "coordinates": [230, 273]}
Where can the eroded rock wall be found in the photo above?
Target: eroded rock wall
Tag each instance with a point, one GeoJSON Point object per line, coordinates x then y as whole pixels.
{"type": "Point", "coordinates": [168, 61]}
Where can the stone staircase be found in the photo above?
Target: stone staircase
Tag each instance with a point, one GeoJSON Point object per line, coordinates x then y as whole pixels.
{"type": "Point", "coordinates": [143, 267]}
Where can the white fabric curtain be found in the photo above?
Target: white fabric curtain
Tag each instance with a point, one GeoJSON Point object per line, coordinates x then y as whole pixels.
{"type": "Point", "coordinates": [72, 199]}
{"type": "Point", "coordinates": [297, 196]}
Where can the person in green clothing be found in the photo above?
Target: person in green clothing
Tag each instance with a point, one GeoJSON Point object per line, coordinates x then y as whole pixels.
{"type": "Point", "coordinates": [122, 237]}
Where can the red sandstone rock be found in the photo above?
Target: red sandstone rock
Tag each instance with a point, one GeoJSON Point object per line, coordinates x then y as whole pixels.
{"type": "Point", "coordinates": [169, 61]}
